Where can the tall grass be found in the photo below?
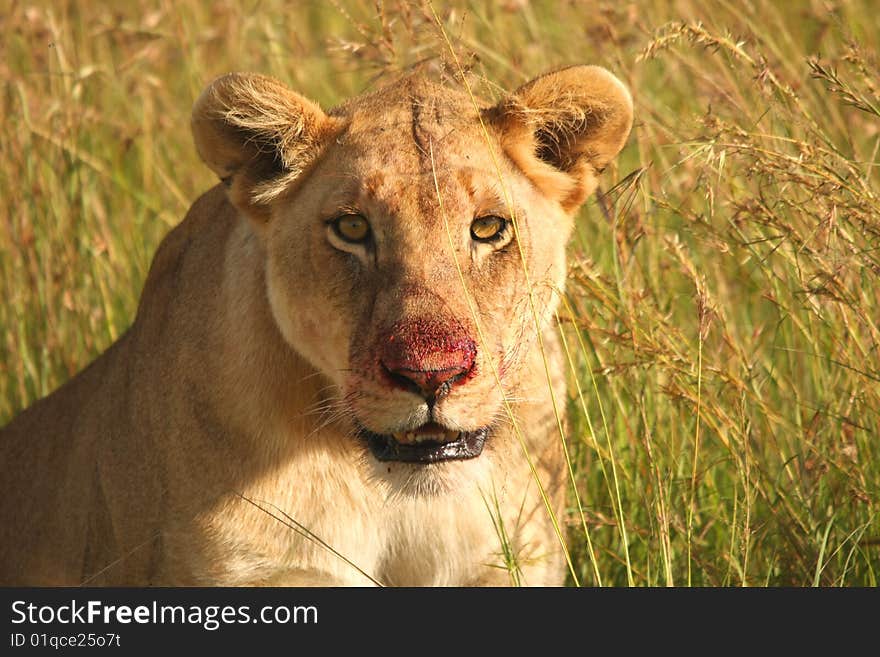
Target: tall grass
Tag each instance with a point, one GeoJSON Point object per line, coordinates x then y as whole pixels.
{"type": "Point", "coordinates": [722, 316]}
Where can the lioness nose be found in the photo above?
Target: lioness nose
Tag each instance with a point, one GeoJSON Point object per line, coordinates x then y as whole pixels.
{"type": "Point", "coordinates": [427, 357]}
{"type": "Point", "coordinates": [430, 383]}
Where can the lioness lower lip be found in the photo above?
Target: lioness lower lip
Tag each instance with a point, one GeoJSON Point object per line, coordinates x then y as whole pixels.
{"type": "Point", "coordinates": [464, 445]}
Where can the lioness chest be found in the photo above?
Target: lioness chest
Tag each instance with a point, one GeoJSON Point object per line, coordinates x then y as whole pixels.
{"type": "Point", "coordinates": [328, 511]}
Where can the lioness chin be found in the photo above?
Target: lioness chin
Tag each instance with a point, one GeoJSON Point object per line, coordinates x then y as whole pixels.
{"type": "Point", "coordinates": [343, 364]}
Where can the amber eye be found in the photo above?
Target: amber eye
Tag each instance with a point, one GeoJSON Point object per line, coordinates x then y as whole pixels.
{"type": "Point", "coordinates": [488, 228]}
{"type": "Point", "coordinates": [352, 228]}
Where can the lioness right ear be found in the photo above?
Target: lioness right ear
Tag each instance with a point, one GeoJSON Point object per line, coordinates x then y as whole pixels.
{"type": "Point", "coordinates": [258, 136]}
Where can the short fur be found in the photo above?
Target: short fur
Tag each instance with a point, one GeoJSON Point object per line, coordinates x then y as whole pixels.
{"type": "Point", "coordinates": [216, 442]}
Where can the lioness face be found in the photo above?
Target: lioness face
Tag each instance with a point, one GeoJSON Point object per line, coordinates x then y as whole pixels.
{"type": "Point", "coordinates": [425, 236]}
{"type": "Point", "coordinates": [424, 318]}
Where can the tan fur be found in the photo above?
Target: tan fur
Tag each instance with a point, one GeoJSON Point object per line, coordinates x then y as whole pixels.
{"type": "Point", "coordinates": [215, 442]}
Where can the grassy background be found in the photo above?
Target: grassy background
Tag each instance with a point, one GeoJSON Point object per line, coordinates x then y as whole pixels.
{"type": "Point", "coordinates": [723, 308]}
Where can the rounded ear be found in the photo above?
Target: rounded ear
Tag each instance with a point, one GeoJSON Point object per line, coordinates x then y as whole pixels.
{"type": "Point", "coordinates": [258, 136]}
{"type": "Point", "coordinates": [563, 128]}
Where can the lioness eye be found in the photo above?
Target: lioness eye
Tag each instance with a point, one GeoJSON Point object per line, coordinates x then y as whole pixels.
{"type": "Point", "coordinates": [352, 228]}
{"type": "Point", "coordinates": [488, 228]}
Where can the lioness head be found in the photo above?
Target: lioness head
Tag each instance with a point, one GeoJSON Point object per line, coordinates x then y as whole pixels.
{"type": "Point", "coordinates": [405, 230]}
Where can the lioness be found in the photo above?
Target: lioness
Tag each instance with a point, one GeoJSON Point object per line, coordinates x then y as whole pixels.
{"type": "Point", "coordinates": [343, 367]}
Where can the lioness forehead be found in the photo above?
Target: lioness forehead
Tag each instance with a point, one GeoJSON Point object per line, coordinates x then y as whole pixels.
{"type": "Point", "coordinates": [405, 147]}
{"type": "Point", "coordinates": [429, 195]}
{"type": "Point", "coordinates": [420, 118]}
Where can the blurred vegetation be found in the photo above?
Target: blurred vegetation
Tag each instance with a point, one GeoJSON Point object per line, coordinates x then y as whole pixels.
{"type": "Point", "coordinates": [723, 306]}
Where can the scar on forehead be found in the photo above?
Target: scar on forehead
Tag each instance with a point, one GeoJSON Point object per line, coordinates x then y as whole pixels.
{"type": "Point", "coordinates": [373, 183]}
{"type": "Point", "coordinates": [379, 192]}
{"type": "Point", "coordinates": [483, 188]}
{"type": "Point", "coordinates": [466, 180]}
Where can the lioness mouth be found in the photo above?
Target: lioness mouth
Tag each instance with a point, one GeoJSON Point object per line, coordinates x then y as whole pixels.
{"type": "Point", "coordinates": [430, 443]}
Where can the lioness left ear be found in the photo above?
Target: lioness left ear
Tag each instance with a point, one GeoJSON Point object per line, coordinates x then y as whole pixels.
{"type": "Point", "coordinates": [258, 136]}
{"type": "Point", "coordinates": [563, 128]}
